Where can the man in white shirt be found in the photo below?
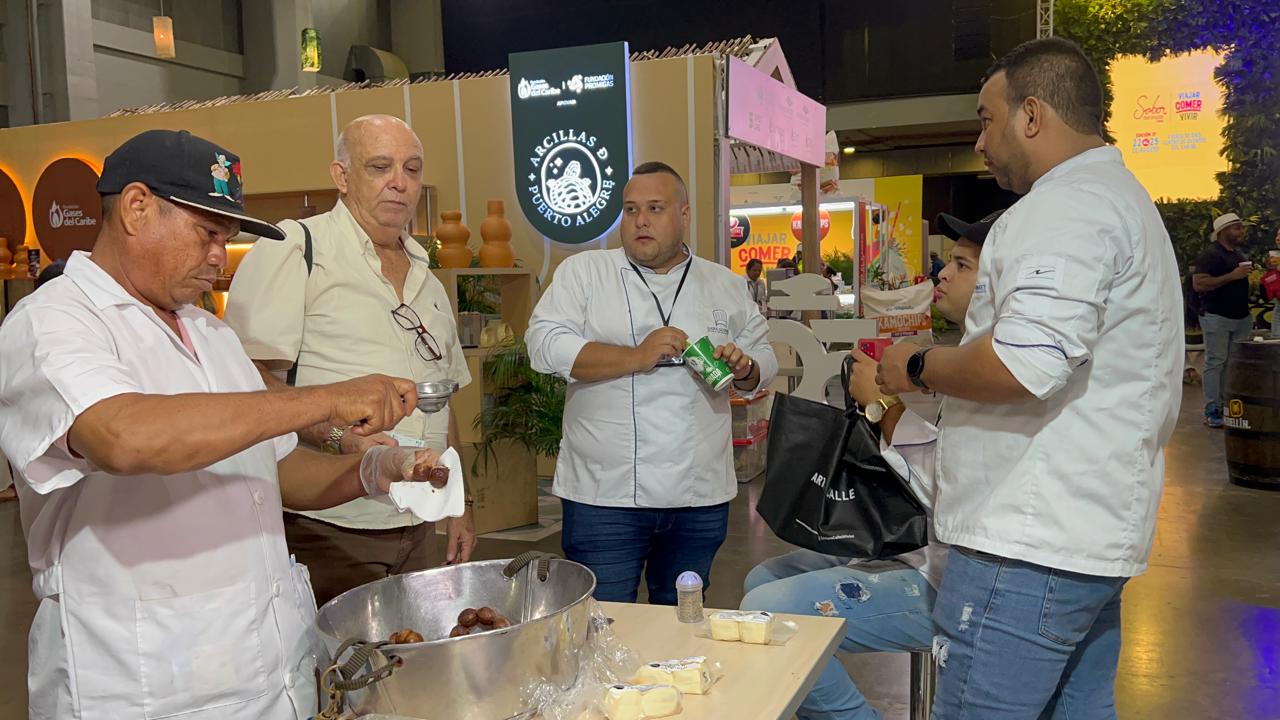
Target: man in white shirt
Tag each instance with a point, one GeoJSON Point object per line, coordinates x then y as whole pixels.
{"type": "Point", "coordinates": [1059, 402]}
{"type": "Point", "coordinates": [755, 286]}
{"type": "Point", "coordinates": [645, 469]}
{"type": "Point", "coordinates": [365, 300]}
{"type": "Point", "coordinates": [152, 465]}
{"type": "Point", "coordinates": [887, 605]}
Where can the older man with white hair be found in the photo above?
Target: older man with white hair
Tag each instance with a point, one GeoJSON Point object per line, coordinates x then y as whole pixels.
{"type": "Point", "coordinates": [349, 292]}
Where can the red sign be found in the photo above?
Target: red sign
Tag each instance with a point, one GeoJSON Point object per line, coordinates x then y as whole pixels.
{"type": "Point", "coordinates": [66, 210]}
{"type": "Point", "coordinates": [824, 224]}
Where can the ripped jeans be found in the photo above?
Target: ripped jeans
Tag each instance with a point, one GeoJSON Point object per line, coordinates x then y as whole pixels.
{"type": "Point", "coordinates": [1019, 641]}
{"type": "Point", "coordinates": [884, 611]}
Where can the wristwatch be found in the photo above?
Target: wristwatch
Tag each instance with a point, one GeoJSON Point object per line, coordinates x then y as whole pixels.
{"type": "Point", "coordinates": [915, 368]}
{"type": "Point", "coordinates": [333, 443]}
{"type": "Point", "coordinates": [875, 411]}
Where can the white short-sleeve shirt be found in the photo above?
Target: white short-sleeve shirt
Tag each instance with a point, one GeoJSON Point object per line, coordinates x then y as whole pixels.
{"type": "Point", "coordinates": [337, 324]}
{"type": "Point", "coordinates": [159, 594]}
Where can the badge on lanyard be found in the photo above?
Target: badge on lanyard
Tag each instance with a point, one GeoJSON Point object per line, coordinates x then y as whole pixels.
{"type": "Point", "coordinates": [665, 316]}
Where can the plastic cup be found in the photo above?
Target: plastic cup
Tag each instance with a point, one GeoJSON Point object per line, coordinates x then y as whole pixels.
{"type": "Point", "coordinates": [700, 357]}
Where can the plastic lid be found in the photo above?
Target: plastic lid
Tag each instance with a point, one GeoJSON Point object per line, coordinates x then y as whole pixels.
{"type": "Point", "coordinates": [689, 579]}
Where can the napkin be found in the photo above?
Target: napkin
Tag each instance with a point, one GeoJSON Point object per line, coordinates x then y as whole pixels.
{"type": "Point", "coordinates": [428, 503]}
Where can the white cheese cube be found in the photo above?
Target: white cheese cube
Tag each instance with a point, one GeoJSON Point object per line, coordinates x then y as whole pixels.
{"type": "Point", "coordinates": [724, 626]}
{"type": "Point", "coordinates": [622, 702]}
{"type": "Point", "coordinates": [659, 701]}
{"type": "Point", "coordinates": [756, 628]}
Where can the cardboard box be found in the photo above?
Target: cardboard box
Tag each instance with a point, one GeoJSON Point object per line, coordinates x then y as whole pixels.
{"type": "Point", "coordinates": [505, 489]}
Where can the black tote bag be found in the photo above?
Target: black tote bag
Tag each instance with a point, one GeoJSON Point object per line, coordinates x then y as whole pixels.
{"type": "Point", "coordinates": [828, 489]}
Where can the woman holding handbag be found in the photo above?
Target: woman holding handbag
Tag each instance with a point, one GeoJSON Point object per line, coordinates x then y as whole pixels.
{"type": "Point", "coordinates": [887, 604]}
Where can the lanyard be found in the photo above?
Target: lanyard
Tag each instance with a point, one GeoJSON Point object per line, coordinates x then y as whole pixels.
{"type": "Point", "coordinates": [666, 317]}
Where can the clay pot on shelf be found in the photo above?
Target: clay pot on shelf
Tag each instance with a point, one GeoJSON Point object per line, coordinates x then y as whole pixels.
{"type": "Point", "coordinates": [496, 251]}
{"type": "Point", "coordinates": [453, 237]}
{"type": "Point", "coordinates": [6, 255]}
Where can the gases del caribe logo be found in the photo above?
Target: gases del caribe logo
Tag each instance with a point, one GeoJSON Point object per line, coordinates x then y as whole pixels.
{"type": "Point", "coordinates": [69, 215]}
{"type": "Point", "coordinates": [570, 178]}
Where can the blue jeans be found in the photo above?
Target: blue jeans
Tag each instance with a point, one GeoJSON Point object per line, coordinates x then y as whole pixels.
{"type": "Point", "coordinates": [1219, 335]}
{"type": "Point", "coordinates": [1020, 641]}
{"type": "Point", "coordinates": [619, 544]}
{"type": "Point", "coordinates": [885, 611]}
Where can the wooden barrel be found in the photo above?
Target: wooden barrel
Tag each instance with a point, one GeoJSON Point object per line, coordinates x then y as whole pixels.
{"type": "Point", "coordinates": [1251, 411]}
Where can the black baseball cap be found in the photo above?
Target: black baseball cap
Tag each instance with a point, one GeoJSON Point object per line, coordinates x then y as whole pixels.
{"type": "Point", "coordinates": [184, 169]}
{"type": "Point", "coordinates": [976, 233]}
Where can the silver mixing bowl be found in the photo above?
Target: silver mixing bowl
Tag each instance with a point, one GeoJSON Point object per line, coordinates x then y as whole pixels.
{"type": "Point", "coordinates": [476, 677]}
{"type": "Point", "coordinates": [433, 396]}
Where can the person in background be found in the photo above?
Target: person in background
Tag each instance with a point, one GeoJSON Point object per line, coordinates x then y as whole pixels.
{"type": "Point", "coordinates": [368, 302]}
{"type": "Point", "coordinates": [51, 272]}
{"type": "Point", "coordinates": [1222, 278]}
{"type": "Point", "coordinates": [887, 605]}
{"type": "Point", "coordinates": [786, 264]}
{"type": "Point", "coordinates": [1273, 261]}
{"type": "Point", "coordinates": [1058, 405]}
{"type": "Point", "coordinates": [1191, 312]}
{"type": "Point", "coordinates": [833, 277]}
{"type": "Point", "coordinates": [755, 286]}
{"type": "Point", "coordinates": [935, 266]}
{"type": "Point", "coordinates": [645, 470]}
{"type": "Point", "coordinates": [152, 464]}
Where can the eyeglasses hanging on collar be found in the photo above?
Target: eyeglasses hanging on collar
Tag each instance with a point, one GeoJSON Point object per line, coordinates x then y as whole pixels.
{"type": "Point", "coordinates": [426, 345]}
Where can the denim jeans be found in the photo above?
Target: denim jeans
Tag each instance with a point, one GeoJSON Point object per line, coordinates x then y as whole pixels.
{"type": "Point", "coordinates": [885, 611]}
{"type": "Point", "coordinates": [1219, 335]}
{"type": "Point", "coordinates": [619, 544]}
{"type": "Point", "coordinates": [1020, 641]}
{"type": "Point", "coordinates": [1275, 320]}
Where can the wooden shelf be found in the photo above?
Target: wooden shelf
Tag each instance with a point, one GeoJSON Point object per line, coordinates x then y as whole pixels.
{"type": "Point", "coordinates": [482, 271]}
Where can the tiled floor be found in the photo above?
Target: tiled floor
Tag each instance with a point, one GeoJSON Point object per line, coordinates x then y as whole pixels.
{"type": "Point", "coordinates": [1202, 627]}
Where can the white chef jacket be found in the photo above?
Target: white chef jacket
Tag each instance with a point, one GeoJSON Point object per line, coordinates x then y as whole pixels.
{"type": "Point", "coordinates": [658, 439]}
{"type": "Point", "coordinates": [160, 596]}
{"type": "Point", "coordinates": [337, 323]}
{"type": "Point", "coordinates": [913, 455]}
{"type": "Point", "coordinates": [1075, 284]}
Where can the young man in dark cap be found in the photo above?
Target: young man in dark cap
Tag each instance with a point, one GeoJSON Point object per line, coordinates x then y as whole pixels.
{"type": "Point", "coordinates": [887, 605]}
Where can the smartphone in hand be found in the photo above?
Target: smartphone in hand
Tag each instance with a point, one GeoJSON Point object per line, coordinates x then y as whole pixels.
{"type": "Point", "coordinates": [874, 347]}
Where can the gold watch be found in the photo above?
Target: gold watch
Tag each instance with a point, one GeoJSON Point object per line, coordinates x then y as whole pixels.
{"type": "Point", "coordinates": [333, 443]}
{"type": "Point", "coordinates": [875, 412]}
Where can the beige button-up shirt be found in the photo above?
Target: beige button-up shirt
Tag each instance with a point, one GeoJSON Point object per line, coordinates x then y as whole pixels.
{"type": "Point", "coordinates": [337, 324]}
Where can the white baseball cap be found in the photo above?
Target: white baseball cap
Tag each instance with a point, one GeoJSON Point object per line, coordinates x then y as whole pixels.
{"type": "Point", "coordinates": [1223, 221]}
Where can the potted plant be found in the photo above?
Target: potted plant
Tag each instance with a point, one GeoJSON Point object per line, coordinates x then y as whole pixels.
{"type": "Point", "coordinates": [527, 406]}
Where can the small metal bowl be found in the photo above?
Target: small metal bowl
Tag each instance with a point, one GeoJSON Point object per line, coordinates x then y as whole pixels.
{"type": "Point", "coordinates": [433, 396]}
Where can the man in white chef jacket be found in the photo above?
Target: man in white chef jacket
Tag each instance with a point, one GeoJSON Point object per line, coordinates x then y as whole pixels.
{"type": "Point", "coordinates": [151, 464]}
{"type": "Point", "coordinates": [645, 469]}
{"type": "Point", "coordinates": [1059, 403]}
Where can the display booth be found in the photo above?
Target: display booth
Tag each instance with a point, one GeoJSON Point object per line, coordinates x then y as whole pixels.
{"type": "Point", "coordinates": [480, 158]}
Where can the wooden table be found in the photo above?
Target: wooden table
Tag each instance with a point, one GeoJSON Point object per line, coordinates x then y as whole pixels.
{"type": "Point", "coordinates": [760, 681]}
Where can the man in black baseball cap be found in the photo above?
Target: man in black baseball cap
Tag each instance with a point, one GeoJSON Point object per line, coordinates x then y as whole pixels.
{"type": "Point", "coordinates": [152, 464]}
{"type": "Point", "coordinates": [957, 281]}
{"type": "Point", "coordinates": [185, 169]}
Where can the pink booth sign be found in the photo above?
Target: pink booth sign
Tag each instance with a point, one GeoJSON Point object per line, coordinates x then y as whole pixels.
{"type": "Point", "coordinates": [771, 115]}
